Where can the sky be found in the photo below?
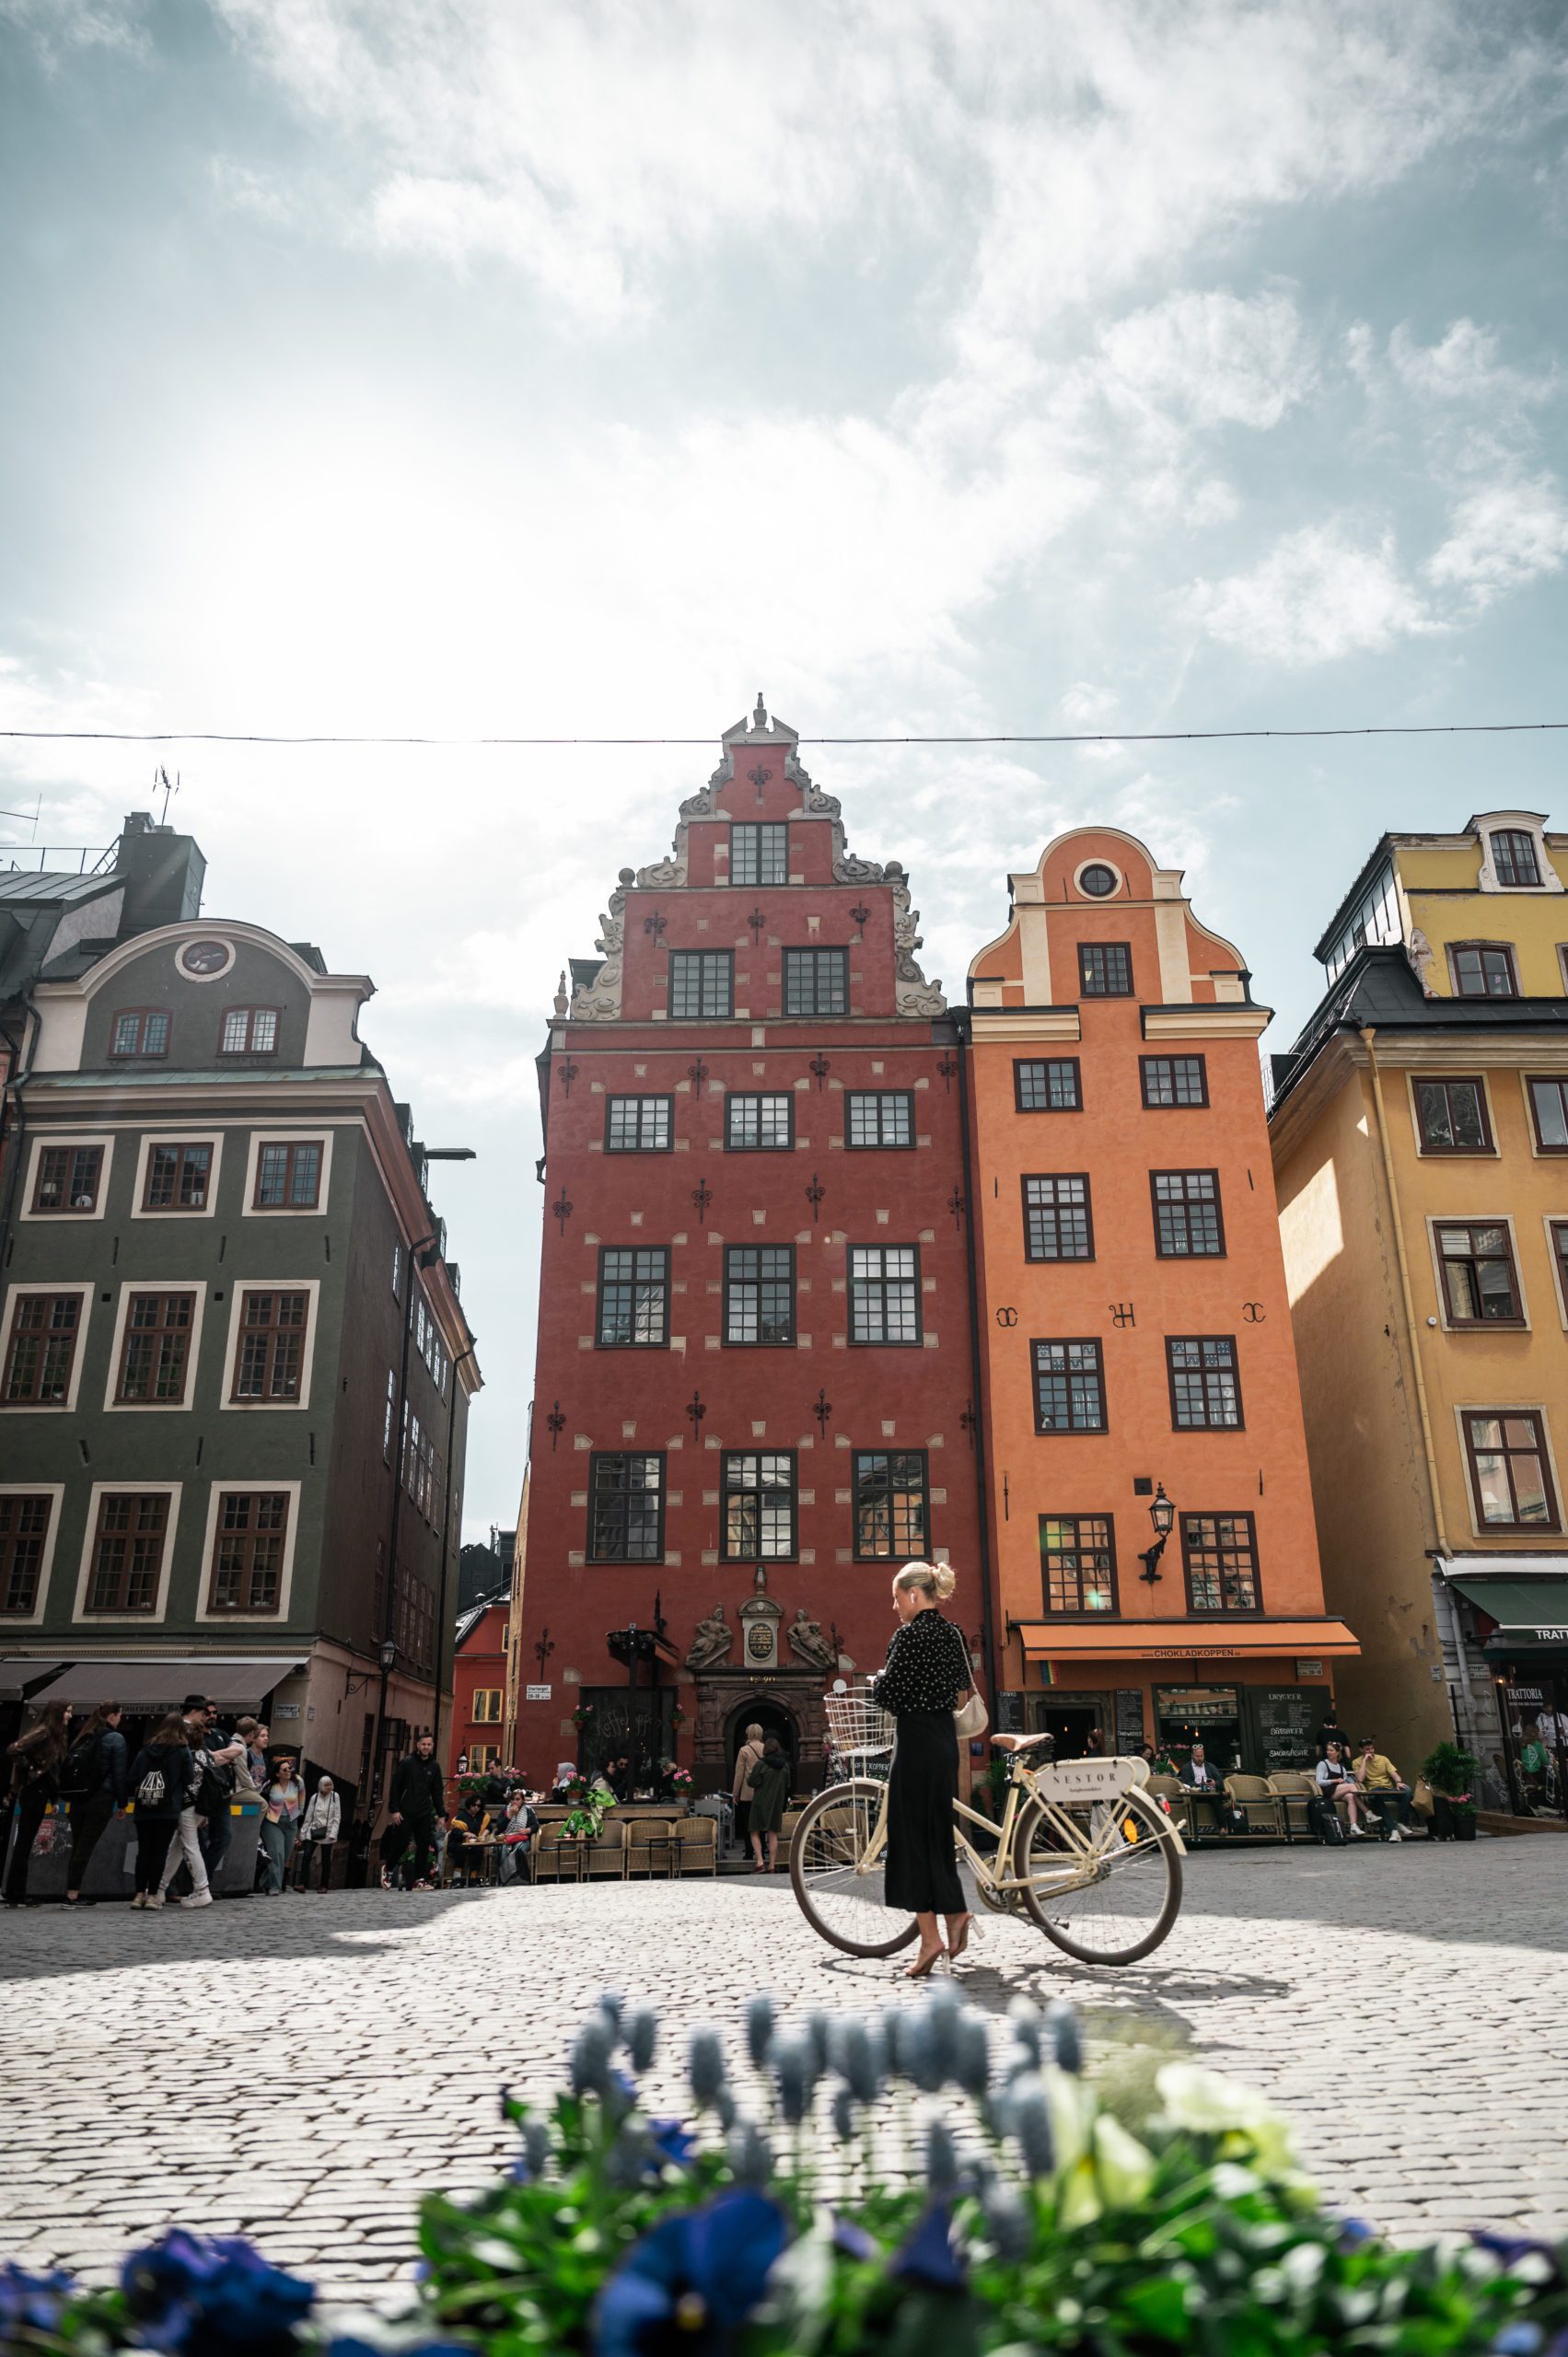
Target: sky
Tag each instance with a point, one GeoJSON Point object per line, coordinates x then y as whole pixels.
{"type": "Point", "coordinates": [470, 367]}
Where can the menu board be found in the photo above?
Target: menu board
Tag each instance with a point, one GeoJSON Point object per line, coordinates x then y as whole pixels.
{"type": "Point", "coordinates": [1128, 1720]}
{"type": "Point", "coordinates": [1286, 1719]}
{"type": "Point", "coordinates": [1009, 1719]}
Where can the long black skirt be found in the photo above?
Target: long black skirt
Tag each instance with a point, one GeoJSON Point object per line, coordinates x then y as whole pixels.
{"type": "Point", "coordinates": [922, 1872]}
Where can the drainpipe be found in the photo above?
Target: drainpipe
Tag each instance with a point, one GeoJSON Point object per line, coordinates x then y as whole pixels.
{"type": "Point", "coordinates": [441, 1621]}
{"type": "Point", "coordinates": [987, 1622]}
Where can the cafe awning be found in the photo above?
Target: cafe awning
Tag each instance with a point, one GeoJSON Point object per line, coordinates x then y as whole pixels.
{"type": "Point", "coordinates": [1530, 1612]}
{"type": "Point", "coordinates": [17, 1674]}
{"type": "Point", "coordinates": [1140, 1641]}
{"type": "Point", "coordinates": [162, 1684]}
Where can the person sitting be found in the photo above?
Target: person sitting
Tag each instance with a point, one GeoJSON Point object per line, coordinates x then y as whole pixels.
{"type": "Point", "coordinates": [518, 1829]}
{"type": "Point", "coordinates": [1335, 1783]}
{"type": "Point", "coordinates": [1204, 1784]}
{"type": "Point", "coordinates": [565, 1777]}
{"type": "Point", "coordinates": [465, 1827]}
{"type": "Point", "coordinates": [1383, 1784]}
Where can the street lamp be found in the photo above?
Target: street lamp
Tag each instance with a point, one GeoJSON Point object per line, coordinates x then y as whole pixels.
{"type": "Point", "coordinates": [388, 1655]}
{"type": "Point", "coordinates": [1162, 1514]}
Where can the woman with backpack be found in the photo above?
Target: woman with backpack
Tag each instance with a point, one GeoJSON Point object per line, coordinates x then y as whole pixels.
{"type": "Point", "coordinates": [93, 1782]}
{"type": "Point", "coordinates": [35, 1760]}
{"type": "Point", "coordinates": [162, 1775]}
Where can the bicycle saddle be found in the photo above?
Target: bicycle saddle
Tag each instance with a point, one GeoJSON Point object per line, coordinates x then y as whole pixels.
{"type": "Point", "coordinates": [1017, 1741]}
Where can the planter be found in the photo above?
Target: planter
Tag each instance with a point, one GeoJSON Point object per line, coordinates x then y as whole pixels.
{"type": "Point", "coordinates": [1452, 1820]}
{"type": "Point", "coordinates": [1464, 1819]}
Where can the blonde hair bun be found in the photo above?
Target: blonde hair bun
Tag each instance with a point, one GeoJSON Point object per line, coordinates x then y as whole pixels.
{"type": "Point", "coordinates": [932, 1579]}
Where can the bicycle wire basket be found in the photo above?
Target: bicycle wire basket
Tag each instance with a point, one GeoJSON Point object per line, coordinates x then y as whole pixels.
{"type": "Point", "coordinates": [857, 1727]}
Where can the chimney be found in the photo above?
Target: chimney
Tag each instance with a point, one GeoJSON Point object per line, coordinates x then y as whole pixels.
{"type": "Point", "coordinates": [163, 874]}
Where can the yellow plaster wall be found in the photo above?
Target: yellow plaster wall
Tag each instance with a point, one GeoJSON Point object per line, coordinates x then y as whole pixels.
{"type": "Point", "coordinates": [1440, 888]}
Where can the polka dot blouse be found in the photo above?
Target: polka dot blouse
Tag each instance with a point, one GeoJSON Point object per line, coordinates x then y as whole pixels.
{"type": "Point", "coordinates": [927, 1666]}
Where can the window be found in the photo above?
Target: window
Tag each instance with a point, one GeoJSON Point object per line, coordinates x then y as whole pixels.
{"type": "Point", "coordinates": [638, 1124]}
{"type": "Point", "coordinates": [1051, 1086]}
{"type": "Point", "coordinates": [69, 1178]}
{"type": "Point", "coordinates": [1548, 1111]}
{"type": "Point", "coordinates": [702, 981]}
{"type": "Point", "coordinates": [1559, 1230]}
{"type": "Point", "coordinates": [1514, 858]}
{"type": "Point", "coordinates": [1480, 1285]}
{"type": "Point", "coordinates": [24, 1529]}
{"type": "Point", "coordinates": [758, 1506]}
{"type": "Point", "coordinates": [1375, 918]}
{"type": "Point", "coordinates": [1058, 1224]}
{"type": "Point", "coordinates": [891, 1517]}
{"type": "Point", "coordinates": [247, 1552]}
{"type": "Point", "coordinates": [758, 1124]}
{"type": "Point", "coordinates": [127, 1556]}
{"type": "Point", "coordinates": [178, 1177]}
{"type": "Point", "coordinates": [1174, 1080]}
{"type": "Point", "coordinates": [397, 1272]}
{"type": "Point", "coordinates": [816, 982]}
{"type": "Point", "coordinates": [758, 1293]}
{"type": "Point", "coordinates": [759, 855]}
{"type": "Point", "coordinates": [1187, 1226]}
{"type": "Point", "coordinates": [1069, 1388]}
{"type": "Point", "coordinates": [1105, 970]}
{"type": "Point", "coordinates": [288, 1178]}
{"type": "Point", "coordinates": [1077, 1560]}
{"type": "Point", "coordinates": [1099, 880]}
{"type": "Point", "coordinates": [626, 1509]}
{"type": "Point", "coordinates": [44, 1327]}
{"type": "Point", "coordinates": [1506, 1448]}
{"type": "Point", "coordinates": [634, 1297]}
{"type": "Point", "coordinates": [1219, 1554]}
{"type": "Point", "coordinates": [268, 1363]}
{"type": "Point", "coordinates": [879, 1117]}
{"type": "Point", "coordinates": [884, 1292]}
{"type": "Point", "coordinates": [156, 1350]}
{"type": "Point", "coordinates": [1205, 1390]}
{"type": "Point", "coordinates": [486, 1711]}
{"type": "Point", "coordinates": [1483, 970]}
{"type": "Point", "coordinates": [250, 1031]}
{"type": "Point", "coordinates": [389, 1419]}
{"type": "Point", "coordinates": [1451, 1117]}
{"type": "Point", "coordinates": [140, 1031]}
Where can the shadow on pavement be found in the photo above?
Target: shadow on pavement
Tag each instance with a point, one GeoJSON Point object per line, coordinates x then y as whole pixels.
{"type": "Point", "coordinates": [46, 1941]}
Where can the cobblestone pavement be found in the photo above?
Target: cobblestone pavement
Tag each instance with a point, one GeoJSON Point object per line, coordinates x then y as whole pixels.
{"type": "Point", "coordinates": [299, 2072]}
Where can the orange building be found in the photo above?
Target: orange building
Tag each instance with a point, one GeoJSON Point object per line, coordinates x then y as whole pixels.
{"type": "Point", "coordinates": [1138, 1364]}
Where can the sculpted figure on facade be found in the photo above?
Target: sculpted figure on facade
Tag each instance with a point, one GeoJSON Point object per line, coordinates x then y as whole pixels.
{"type": "Point", "coordinates": [710, 1639]}
{"type": "Point", "coordinates": [808, 1644]}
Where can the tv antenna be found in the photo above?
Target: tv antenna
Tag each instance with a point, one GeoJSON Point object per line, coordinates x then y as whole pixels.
{"type": "Point", "coordinates": [163, 780]}
{"type": "Point", "coordinates": [30, 816]}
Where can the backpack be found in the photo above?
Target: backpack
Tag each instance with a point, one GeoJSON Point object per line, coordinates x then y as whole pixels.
{"type": "Point", "coordinates": [1324, 1819]}
{"type": "Point", "coordinates": [81, 1771]}
{"type": "Point", "coordinates": [212, 1792]}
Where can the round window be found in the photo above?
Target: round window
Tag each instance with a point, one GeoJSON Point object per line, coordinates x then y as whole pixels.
{"type": "Point", "coordinates": [1099, 880]}
{"type": "Point", "coordinates": [204, 956]}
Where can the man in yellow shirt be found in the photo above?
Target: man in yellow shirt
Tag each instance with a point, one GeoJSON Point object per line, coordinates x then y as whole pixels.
{"type": "Point", "coordinates": [1381, 1780]}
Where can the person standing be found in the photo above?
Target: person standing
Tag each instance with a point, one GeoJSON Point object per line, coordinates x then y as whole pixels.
{"type": "Point", "coordinates": [746, 1758]}
{"type": "Point", "coordinates": [418, 1804]}
{"type": "Point", "coordinates": [926, 1673]}
{"type": "Point", "coordinates": [162, 1774]}
{"type": "Point", "coordinates": [769, 1780]}
{"type": "Point", "coordinates": [35, 1760]}
{"type": "Point", "coordinates": [208, 1800]}
{"type": "Point", "coordinates": [93, 1780]}
{"type": "Point", "coordinates": [282, 1804]}
{"type": "Point", "coordinates": [319, 1829]}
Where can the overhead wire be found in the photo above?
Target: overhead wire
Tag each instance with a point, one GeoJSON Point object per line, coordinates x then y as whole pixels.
{"type": "Point", "coordinates": [1101, 737]}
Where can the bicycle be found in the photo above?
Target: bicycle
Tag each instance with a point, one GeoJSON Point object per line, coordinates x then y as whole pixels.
{"type": "Point", "coordinates": [1082, 1851]}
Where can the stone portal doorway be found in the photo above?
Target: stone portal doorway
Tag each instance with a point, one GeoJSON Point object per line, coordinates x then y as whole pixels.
{"type": "Point", "coordinates": [775, 1718]}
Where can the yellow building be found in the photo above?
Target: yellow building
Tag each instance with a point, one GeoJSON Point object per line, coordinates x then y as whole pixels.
{"type": "Point", "coordinates": [1419, 1136]}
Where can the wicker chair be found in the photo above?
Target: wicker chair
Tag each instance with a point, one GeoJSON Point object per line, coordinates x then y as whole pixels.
{"type": "Point", "coordinates": [1294, 1789]}
{"type": "Point", "coordinates": [1172, 1789]}
{"type": "Point", "coordinates": [697, 1845]}
{"type": "Point", "coordinates": [1264, 1810]}
{"type": "Point", "coordinates": [650, 1846]}
{"type": "Point", "coordinates": [607, 1855]}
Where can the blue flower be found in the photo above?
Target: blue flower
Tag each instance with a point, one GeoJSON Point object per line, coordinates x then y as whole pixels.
{"type": "Point", "coordinates": [928, 2258]}
{"type": "Point", "coordinates": [640, 2030]}
{"type": "Point", "coordinates": [30, 2303]}
{"type": "Point", "coordinates": [706, 2066]}
{"type": "Point", "coordinates": [345, 2345]}
{"type": "Point", "coordinates": [1354, 2230]}
{"type": "Point", "coordinates": [692, 2282]}
{"type": "Point", "coordinates": [673, 2142]}
{"type": "Point", "coordinates": [760, 2019]}
{"type": "Point", "coordinates": [1518, 2340]}
{"type": "Point", "coordinates": [852, 2240]}
{"type": "Point", "coordinates": [1512, 2250]}
{"type": "Point", "coordinates": [193, 2291]}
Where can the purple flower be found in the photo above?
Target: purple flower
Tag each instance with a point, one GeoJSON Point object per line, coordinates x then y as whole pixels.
{"type": "Point", "coordinates": [928, 2258]}
{"type": "Point", "coordinates": [1354, 2231]}
{"type": "Point", "coordinates": [692, 2282]}
{"type": "Point", "coordinates": [1512, 2251]}
{"type": "Point", "coordinates": [30, 2303]}
{"type": "Point", "coordinates": [852, 2240]}
{"type": "Point", "coordinates": [193, 2291]}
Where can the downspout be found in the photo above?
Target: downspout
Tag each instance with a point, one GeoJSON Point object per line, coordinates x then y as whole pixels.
{"type": "Point", "coordinates": [1452, 1644]}
{"type": "Point", "coordinates": [987, 1620]}
{"type": "Point", "coordinates": [442, 1624]}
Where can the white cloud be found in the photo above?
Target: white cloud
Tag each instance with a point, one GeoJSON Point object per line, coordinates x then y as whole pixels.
{"type": "Point", "coordinates": [1463, 365]}
{"type": "Point", "coordinates": [1213, 359]}
{"type": "Point", "coordinates": [1317, 595]}
{"type": "Point", "coordinates": [1504, 537]}
{"type": "Point", "coordinates": [56, 27]}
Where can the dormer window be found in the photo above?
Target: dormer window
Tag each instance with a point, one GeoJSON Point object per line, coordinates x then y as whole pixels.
{"type": "Point", "coordinates": [250, 1031]}
{"type": "Point", "coordinates": [1514, 858]}
{"type": "Point", "coordinates": [139, 1032]}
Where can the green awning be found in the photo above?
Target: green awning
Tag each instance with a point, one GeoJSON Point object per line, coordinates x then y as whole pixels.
{"type": "Point", "coordinates": [1528, 1612]}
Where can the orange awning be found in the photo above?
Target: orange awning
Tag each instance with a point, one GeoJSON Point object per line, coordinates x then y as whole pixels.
{"type": "Point", "coordinates": [1127, 1641]}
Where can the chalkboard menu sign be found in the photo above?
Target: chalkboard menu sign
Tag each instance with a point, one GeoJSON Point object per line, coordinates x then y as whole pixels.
{"type": "Point", "coordinates": [1285, 1719]}
{"type": "Point", "coordinates": [1128, 1720]}
{"type": "Point", "coordinates": [1009, 1717]}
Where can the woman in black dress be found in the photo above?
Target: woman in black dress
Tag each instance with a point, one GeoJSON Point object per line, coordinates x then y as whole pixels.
{"type": "Point", "coordinates": [926, 1673]}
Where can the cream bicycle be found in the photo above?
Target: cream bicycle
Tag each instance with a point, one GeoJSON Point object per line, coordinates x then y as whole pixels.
{"type": "Point", "coordinates": [1082, 1851]}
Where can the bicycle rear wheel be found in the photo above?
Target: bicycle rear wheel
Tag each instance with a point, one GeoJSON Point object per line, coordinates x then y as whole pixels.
{"type": "Point", "coordinates": [1110, 1895]}
{"type": "Point", "coordinates": [839, 1897]}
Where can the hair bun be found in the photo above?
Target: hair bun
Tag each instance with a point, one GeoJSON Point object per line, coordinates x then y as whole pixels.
{"type": "Point", "coordinates": [944, 1579]}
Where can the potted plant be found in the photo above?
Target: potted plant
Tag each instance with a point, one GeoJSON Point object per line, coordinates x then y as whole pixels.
{"type": "Point", "coordinates": [1452, 1775]}
{"type": "Point", "coordinates": [582, 1714]}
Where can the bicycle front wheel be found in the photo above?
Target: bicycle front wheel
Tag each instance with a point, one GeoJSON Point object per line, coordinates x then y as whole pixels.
{"type": "Point", "coordinates": [840, 1893]}
{"type": "Point", "coordinates": [1104, 1880]}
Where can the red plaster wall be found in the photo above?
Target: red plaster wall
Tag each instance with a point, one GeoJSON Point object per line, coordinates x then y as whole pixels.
{"type": "Point", "coordinates": [481, 1660]}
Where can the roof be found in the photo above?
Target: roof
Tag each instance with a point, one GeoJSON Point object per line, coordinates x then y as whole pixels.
{"type": "Point", "coordinates": [470, 1619]}
{"type": "Point", "coordinates": [27, 888]}
{"type": "Point", "coordinates": [1381, 850]}
{"type": "Point", "coordinates": [1380, 989]}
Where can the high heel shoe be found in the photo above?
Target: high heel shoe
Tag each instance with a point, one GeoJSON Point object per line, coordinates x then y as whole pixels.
{"type": "Point", "coordinates": [957, 1946]}
{"type": "Point", "coordinates": [923, 1969]}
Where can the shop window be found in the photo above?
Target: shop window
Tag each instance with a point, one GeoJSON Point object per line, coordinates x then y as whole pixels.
{"type": "Point", "coordinates": [626, 1509]}
{"type": "Point", "coordinates": [69, 1178]}
{"type": "Point", "coordinates": [1481, 1284]}
{"type": "Point", "coordinates": [1048, 1085]}
{"type": "Point", "coordinates": [758, 1506]}
{"type": "Point", "coordinates": [634, 1297]}
{"type": "Point", "coordinates": [1219, 1554]}
{"type": "Point", "coordinates": [1174, 1080]}
{"type": "Point", "coordinates": [1077, 1556]}
{"type": "Point", "coordinates": [1069, 1379]}
{"type": "Point", "coordinates": [891, 1513]}
{"type": "Point", "coordinates": [1451, 1117]}
{"type": "Point", "coordinates": [1058, 1219]}
{"type": "Point", "coordinates": [1188, 1222]}
{"type": "Point", "coordinates": [638, 1124]}
{"type": "Point", "coordinates": [1510, 1478]}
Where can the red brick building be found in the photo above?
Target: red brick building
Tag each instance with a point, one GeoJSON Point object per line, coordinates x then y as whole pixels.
{"type": "Point", "coordinates": [478, 1684]}
{"type": "Point", "coordinates": [754, 1394]}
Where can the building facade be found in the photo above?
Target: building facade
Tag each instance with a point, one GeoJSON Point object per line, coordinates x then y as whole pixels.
{"type": "Point", "coordinates": [476, 1735]}
{"type": "Point", "coordinates": [1138, 1363]}
{"type": "Point", "coordinates": [754, 1393]}
{"type": "Point", "coordinates": [1420, 1134]}
{"type": "Point", "coordinates": [234, 1367]}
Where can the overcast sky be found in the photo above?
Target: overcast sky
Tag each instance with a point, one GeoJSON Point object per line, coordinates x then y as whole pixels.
{"type": "Point", "coordinates": [479, 367]}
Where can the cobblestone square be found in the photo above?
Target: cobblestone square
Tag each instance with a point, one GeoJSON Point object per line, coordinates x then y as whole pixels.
{"type": "Point", "coordinates": [301, 2070]}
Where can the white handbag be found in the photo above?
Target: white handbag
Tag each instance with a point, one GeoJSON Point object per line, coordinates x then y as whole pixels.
{"type": "Point", "coordinates": [973, 1719]}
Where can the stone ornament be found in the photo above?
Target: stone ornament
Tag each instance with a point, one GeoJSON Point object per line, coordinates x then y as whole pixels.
{"type": "Point", "coordinates": [711, 1640]}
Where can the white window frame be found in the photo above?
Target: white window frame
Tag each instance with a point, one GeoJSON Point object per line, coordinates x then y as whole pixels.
{"type": "Point", "coordinates": [56, 1492]}
{"type": "Point", "coordinates": [241, 1286]}
{"type": "Point", "coordinates": [89, 1291]}
{"type": "Point", "coordinates": [129, 1484]}
{"type": "Point", "coordinates": [68, 1138]}
{"type": "Point", "coordinates": [250, 1209]}
{"type": "Point", "coordinates": [198, 1286]}
{"type": "Point", "coordinates": [1523, 822]}
{"type": "Point", "coordinates": [192, 1134]}
{"type": "Point", "coordinates": [286, 1584]}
